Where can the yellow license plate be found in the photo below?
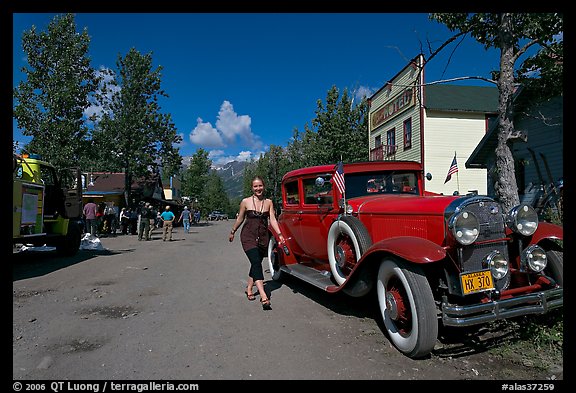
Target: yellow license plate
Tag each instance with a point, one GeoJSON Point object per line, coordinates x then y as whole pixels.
{"type": "Point", "coordinates": [476, 282]}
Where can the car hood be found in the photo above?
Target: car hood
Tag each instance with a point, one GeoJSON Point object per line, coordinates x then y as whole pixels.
{"type": "Point", "coordinates": [401, 204]}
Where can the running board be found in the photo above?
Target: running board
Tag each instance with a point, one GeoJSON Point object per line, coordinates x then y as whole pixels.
{"type": "Point", "coordinates": [310, 275]}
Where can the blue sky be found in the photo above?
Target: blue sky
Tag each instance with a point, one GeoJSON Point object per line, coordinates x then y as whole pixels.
{"type": "Point", "coordinates": [238, 83]}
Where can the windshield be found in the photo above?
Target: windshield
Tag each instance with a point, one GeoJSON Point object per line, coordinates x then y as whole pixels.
{"type": "Point", "coordinates": [388, 182]}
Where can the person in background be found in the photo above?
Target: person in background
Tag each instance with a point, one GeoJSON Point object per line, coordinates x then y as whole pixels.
{"type": "Point", "coordinates": [158, 222]}
{"type": "Point", "coordinates": [124, 220]}
{"type": "Point", "coordinates": [90, 209]}
{"type": "Point", "coordinates": [144, 225]}
{"type": "Point", "coordinates": [133, 221]}
{"type": "Point", "coordinates": [152, 219]}
{"type": "Point", "coordinates": [111, 218]}
{"type": "Point", "coordinates": [167, 218]}
{"type": "Point", "coordinates": [100, 217]}
{"type": "Point", "coordinates": [256, 209]}
{"type": "Point", "coordinates": [185, 219]}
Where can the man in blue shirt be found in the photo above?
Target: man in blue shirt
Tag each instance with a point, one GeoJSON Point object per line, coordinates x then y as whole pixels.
{"type": "Point", "coordinates": [167, 218]}
{"type": "Point", "coordinates": [185, 219]}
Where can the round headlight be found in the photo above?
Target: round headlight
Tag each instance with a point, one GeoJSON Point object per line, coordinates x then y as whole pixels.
{"type": "Point", "coordinates": [349, 209]}
{"type": "Point", "coordinates": [498, 265]}
{"type": "Point", "coordinates": [535, 258]}
{"type": "Point", "coordinates": [465, 227]}
{"type": "Point", "coordinates": [523, 219]}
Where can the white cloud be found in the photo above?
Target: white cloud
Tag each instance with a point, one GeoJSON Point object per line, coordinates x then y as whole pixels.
{"type": "Point", "coordinates": [219, 158]}
{"type": "Point", "coordinates": [231, 130]}
{"type": "Point", "coordinates": [244, 156]}
{"type": "Point", "coordinates": [205, 134]}
{"type": "Point", "coordinates": [363, 91]}
{"type": "Point", "coordinates": [233, 126]}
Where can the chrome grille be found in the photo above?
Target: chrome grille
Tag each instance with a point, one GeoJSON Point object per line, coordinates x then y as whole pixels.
{"type": "Point", "coordinates": [492, 225]}
{"type": "Point", "coordinates": [472, 257]}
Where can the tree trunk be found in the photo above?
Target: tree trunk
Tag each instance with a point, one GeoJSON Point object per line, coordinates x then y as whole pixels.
{"type": "Point", "coordinates": [128, 187]}
{"type": "Point", "coordinates": [505, 187]}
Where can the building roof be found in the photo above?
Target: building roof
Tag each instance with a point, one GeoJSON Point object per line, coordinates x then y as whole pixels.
{"type": "Point", "coordinates": [461, 98]}
{"type": "Point", "coordinates": [113, 183]}
{"type": "Point", "coordinates": [487, 145]}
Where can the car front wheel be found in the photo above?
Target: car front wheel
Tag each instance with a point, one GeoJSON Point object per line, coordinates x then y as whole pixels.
{"type": "Point", "coordinates": [348, 239]}
{"type": "Point", "coordinates": [407, 306]}
{"type": "Point", "coordinates": [555, 266]}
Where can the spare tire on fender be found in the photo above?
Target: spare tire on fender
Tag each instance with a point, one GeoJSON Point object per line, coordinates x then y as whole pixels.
{"type": "Point", "coordinates": [348, 240]}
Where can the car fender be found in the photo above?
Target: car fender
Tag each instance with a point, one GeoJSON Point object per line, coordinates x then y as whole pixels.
{"type": "Point", "coordinates": [547, 230]}
{"type": "Point", "coordinates": [409, 248]}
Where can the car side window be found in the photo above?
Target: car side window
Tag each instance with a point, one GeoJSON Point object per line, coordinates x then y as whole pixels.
{"type": "Point", "coordinates": [291, 190]}
{"type": "Point", "coordinates": [318, 192]}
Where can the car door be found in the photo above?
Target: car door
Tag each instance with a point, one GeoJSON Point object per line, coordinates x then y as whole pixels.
{"type": "Point", "coordinates": [319, 210]}
{"type": "Point", "coordinates": [291, 214]}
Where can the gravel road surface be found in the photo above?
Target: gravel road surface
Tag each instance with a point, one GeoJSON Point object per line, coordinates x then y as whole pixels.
{"type": "Point", "coordinates": [150, 310]}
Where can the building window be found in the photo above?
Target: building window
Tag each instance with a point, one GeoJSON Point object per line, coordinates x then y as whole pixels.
{"type": "Point", "coordinates": [407, 133]}
{"type": "Point", "coordinates": [378, 141]}
{"type": "Point", "coordinates": [391, 142]}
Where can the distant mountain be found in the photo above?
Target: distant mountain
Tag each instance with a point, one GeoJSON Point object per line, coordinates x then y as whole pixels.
{"type": "Point", "coordinates": [232, 175]}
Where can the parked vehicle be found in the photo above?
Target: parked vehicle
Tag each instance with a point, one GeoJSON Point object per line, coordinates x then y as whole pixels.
{"type": "Point", "coordinates": [46, 205]}
{"type": "Point", "coordinates": [430, 259]}
{"type": "Point", "coordinates": [217, 215]}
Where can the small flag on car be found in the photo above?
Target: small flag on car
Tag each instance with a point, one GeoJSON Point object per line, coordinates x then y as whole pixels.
{"type": "Point", "coordinates": [453, 169]}
{"type": "Point", "coordinates": [339, 177]}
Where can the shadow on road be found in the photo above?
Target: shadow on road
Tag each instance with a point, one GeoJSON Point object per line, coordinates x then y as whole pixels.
{"type": "Point", "coordinates": [457, 342]}
{"type": "Point", "coordinates": [364, 307]}
{"type": "Point", "coordinates": [29, 264]}
{"type": "Point", "coordinates": [453, 342]}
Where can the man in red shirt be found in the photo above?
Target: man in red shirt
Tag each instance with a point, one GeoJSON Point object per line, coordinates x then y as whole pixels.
{"type": "Point", "coordinates": [89, 211]}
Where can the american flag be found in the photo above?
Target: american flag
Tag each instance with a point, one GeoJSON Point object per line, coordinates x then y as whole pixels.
{"type": "Point", "coordinates": [339, 177]}
{"type": "Point", "coordinates": [453, 169]}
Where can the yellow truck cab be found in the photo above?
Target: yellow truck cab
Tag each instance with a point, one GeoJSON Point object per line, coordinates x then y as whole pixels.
{"type": "Point", "coordinates": [46, 205]}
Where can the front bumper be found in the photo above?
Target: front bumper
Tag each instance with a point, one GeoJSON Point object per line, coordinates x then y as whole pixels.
{"type": "Point", "coordinates": [534, 303]}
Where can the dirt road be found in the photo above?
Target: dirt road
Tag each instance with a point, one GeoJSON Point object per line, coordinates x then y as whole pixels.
{"type": "Point", "coordinates": [177, 311]}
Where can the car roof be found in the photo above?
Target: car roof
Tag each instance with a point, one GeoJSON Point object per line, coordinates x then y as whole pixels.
{"type": "Point", "coordinates": [356, 167]}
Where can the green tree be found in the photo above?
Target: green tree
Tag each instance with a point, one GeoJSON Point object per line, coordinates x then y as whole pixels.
{"type": "Point", "coordinates": [340, 131]}
{"type": "Point", "coordinates": [50, 102]}
{"type": "Point", "coordinates": [196, 176]}
{"type": "Point", "coordinates": [295, 151]}
{"type": "Point", "coordinates": [214, 196]}
{"type": "Point", "coordinates": [133, 134]}
{"type": "Point", "coordinates": [513, 34]}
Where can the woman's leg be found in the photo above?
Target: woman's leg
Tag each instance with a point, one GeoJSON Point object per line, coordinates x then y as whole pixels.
{"type": "Point", "coordinates": [249, 286]}
{"type": "Point", "coordinates": [256, 274]}
{"type": "Point", "coordinates": [261, 291]}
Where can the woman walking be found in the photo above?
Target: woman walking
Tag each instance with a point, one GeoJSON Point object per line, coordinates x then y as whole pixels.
{"type": "Point", "coordinates": [254, 213]}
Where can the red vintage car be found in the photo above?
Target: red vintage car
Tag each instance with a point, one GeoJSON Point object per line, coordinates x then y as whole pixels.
{"type": "Point", "coordinates": [431, 259]}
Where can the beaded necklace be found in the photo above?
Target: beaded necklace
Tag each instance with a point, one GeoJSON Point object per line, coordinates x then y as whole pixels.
{"type": "Point", "coordinates": [258, 213]}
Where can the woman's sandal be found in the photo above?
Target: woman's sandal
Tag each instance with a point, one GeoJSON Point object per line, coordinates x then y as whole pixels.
{"type": "Point", "coordinates": [250, 296]}
{"type": "Point", "coordinates": [266, 304]}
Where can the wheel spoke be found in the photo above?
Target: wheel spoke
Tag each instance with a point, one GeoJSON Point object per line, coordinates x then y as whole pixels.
{"type": "Point", "coordinates": [398, 304]}
{"type": "Point", "coordinates": [346, 254]}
